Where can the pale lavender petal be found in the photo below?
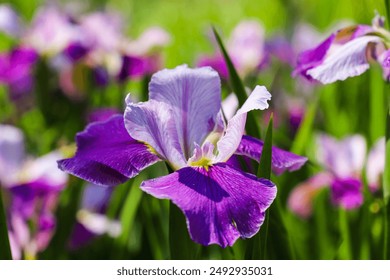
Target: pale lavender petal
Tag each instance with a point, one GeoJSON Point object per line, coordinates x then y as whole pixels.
{"type": "Point", "coordinates": [45, 171]}
{"type": "Point", "coordinates": [11, 153]}
{"type": "Point", "coordinates": [9, 21]}
{"type": "Point", "coordinates": [376, 165]}
{"type": "Point", "coordinates": [153, 123]}
{"type": "Point", "coordinates": [52, 31]}
{"type": "Point", "coordinates": [107, 155]}
{"type": "Point", "coordinates": [344, 158]}
{"type": "Point", "coordinates": [347, 192]}
{"type": "Point", "coordinates": [246, 46]}
{"type": "Point", "coordinates": [300, 200]}
{"type": "Point", "coordinates": [221, 204]}
{"type": "Point", "coordinates": [96, 198]}
{"type": "Point", "coordinates": [195, 98]}
{"type": "Point", "coordinates": [151, 40]}
{"type": "Point", "coordinates": [344, 61]}
{"type": "Point", "coordinates": [102, 31]}
{"type": "Point", "coordinates": [228, 144]}
{"type": "Point", "coordinates": [281, 160]}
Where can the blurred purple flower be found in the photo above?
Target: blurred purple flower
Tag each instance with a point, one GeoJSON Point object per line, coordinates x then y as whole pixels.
{"type": "Point", "coordinates": [246, 47]}
{"type": "Point", "coordinates": [182, 124]}
{"type": "Point", "coordinates": [143, 56]}
{"type": "Point", "coordinates": [16, 70]}
{"type": "Point", "coordinates": [91, 220]}
{"type": "Point", "coordinates": [343, 162]}
{"type": "Point", "coordinates": [52, 31]}
{"type": "Point", "coordinates": [345, 53]}
{"type": "Point", "coordinates": [9, 21]}
{"type": "Point", "coordinates": [33, 186]}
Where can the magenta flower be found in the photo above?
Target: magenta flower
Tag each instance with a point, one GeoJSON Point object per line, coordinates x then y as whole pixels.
{"type": "Point", "coordinates": [346, 53]}
{"type": "Point", "coordinates": [33, 186]}
{"type": "Point", "coordinates": [16, 70]}
{"type": "Point", "coordinates": [182, 124]}
{"type": "Point", "coordinates": [343, 162]}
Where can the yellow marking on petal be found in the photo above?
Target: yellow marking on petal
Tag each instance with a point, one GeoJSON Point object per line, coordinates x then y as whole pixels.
{"type": "Point", "coordinates": [151, 149]}
{"type": "Point", "coordinates": [203, 162]}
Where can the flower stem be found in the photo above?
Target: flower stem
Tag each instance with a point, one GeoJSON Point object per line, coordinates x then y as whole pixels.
{"type": "Point", "coordinates": [5, 250]}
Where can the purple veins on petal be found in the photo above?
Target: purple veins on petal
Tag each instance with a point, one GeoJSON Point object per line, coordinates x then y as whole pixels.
{"type": "Point", "coordinates": [194, 96]}
{"type": "Point", "coordinates": [281, 160]}
{"type": "Point", "coordinates": [107, 154]}
{"type": "Point", "coordinates": [217, 211]}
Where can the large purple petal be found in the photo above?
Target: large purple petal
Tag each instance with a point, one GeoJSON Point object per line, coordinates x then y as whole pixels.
{"type": "Point", "coordinates": [107, 155]}
{"type": "Point", "coordinates": [195, 97]}
{"type": "Point", "coordinates": [153, 123]}
{"type": "Point", "coordinates": [220, 203]}
{"type": "Point", "coordinates": [281, 160]}
{"type": "Point", "coordinates": [228, 144]}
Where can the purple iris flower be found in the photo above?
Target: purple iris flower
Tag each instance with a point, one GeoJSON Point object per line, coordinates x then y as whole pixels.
{"type": "Point", "coordinates": [32, 186]}
{"type": "Point", "coordinates": [346, 53]}
{"type": "Point", "coordinates": [16, 70]}
{"type": "Point", "coordinates": [182, 124]}
{"type": "Point", "coordinates": [343, 162]}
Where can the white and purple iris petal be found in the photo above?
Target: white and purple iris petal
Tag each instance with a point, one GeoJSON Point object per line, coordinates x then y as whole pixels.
{"type": "Point", "coordinates": [182, 124]}
{"type": "Point", "coordinates": [346, 53]}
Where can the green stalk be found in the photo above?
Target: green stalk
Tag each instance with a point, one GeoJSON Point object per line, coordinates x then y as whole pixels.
{"type": "Point", "coordinates": [345, 248]}
{"type": "Point", "coordinates": [5, 250]}
{"type": "Point", "coordinates": [257, 246]}
{"type": "Point", "coordinates": [386, 192]}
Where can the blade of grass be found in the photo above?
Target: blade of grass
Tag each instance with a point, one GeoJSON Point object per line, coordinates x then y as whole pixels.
{"type": "Point", "coordinates": [305, 129]}
{"type": "Point", "coordinates": [345, 251]}
{"type": "Point", "coordinates": [127, 215]}
{"type": "Point", "coordinates": [5, 250]}
{"type": "Point", "coordinates": [237, 87]}
{"type": "Point", "coordinates": [386, 192]}
{"type": "Point", "coordinates": [257, 246]}
{"type": "Point", "coordinates": [377, 110]}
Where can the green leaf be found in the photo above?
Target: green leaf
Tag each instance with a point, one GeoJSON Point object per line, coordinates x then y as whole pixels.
{"type": "Point", "coordinates": [180, 244]}
{"type": "Point", "coordinates": [305, 129]}
{"type": "Point", "coordinates": [128, 214]}
{"type": "Point", "coordinates": [5, 250]}
{"type": "Point", "coordinates": [256, 247]}
{"type": "Point", "coordinates": [237, 87]}
{"type": "Point", "coordinates": [386, 192]}
{"type": "Point", "coordinates": [264, 170]}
